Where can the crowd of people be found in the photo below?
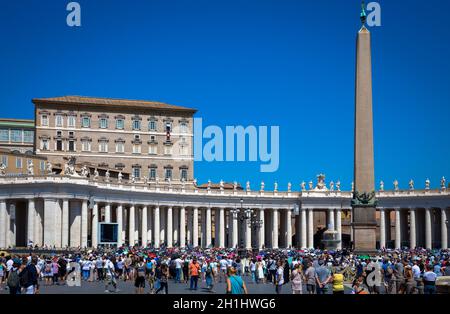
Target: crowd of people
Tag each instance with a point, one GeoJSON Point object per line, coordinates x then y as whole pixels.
{"type": "Point", "coordinates": [289, 271]}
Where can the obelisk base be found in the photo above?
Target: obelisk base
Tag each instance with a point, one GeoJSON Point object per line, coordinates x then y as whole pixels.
{"type": "Point", "coordinates": [364, 231]}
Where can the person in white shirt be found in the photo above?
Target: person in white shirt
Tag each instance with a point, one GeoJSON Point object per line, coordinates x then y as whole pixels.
{"type": "Point", "coordinates": [110, 274]}
{"type": "Point", "coordinates": [223, 269]}
{"type": "Point", "coordinates": [178, 269]}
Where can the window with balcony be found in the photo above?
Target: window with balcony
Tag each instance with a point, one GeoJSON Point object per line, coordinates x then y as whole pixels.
{"type": "Point", "coordinates": [71, 146]}
{"type": "Point", "coordinates": [153, 149]}
{"type": "Point", "coordinates": [5, 160]}
{"type": "Point", "coordinates": [44, 144]}
{"type": "Point", "coordinates": [136, 148]}
{"type": "Point", "coordinates": [59, 145]}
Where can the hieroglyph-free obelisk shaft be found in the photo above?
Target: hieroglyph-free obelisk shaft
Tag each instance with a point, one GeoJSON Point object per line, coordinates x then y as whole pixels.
{"type": "Point", "coordinates": [363, 202]}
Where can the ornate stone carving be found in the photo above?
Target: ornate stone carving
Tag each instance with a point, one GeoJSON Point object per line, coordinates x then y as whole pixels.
{"type": "Point", "coordinates": [107, 176]}
{"type": "Point", "coordinates": [30, 168]}
{"type": "Point", "coordinates": [84, 171]}
{"type": "Point", "coordinates": [331, 186]}
{"type": "Point", "coordinates": [262, 186]}
{"type": "Point", "coordinates": [303, 186]}
{"type": "Point", "coordinates": [69, 167]}
{"type": "Point", "coordinates": [289, 187]}
{"type": "Point", "coordinates": [321, 182]}
{"type": "Point", "coordinates": [338, 185]}
{"type": "Point", "coordinates": [443, 183]}
{"type": "Point", "coordinates": [234, 186]}
{"type": "Point", "coordinates": [2, 169]}
{"type": "Point", "coordinates": [120, 177]}
{"type": "Point", "coordinates": [411, 185]}
{"type": "Point", "coordinates": [275, 186]}
{"type": "Point", "coordinates": [395, 185]}
{"type": "Point", "coordinates": [96, 174]}
{"type": "Point", "coordinates": [364, 199]}
{"type": "Point", "coordinates": [310, 185]}
{"type": "Point", "coordinates": [49, 168]}
{"type": "Point", "coordinates": [247, 186]}
{"type": "Point", "coordinates": [427, 184]}
{"type": "Point", "coordinates": [381, 186]}
{"type": "Point", "coordinates": [221, 185]}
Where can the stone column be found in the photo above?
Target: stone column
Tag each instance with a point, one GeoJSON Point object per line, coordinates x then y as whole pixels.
{"type": "Point", "coordinates": [248, 235]}
{"type": "Point", "coordinates": [235, 233]}
{"type": "Point", "coordinates": [338, 224]}
{"type": "Point", "coordinates": [3, 227]}
{"type": "Point", "coordinates": [108, 212]}
{"type": "Point", "coordinates": [156, 226]}
{"type": "Point", "coordinates": [119, 214]}
{"type": "Point", "coordinates": [382, 228]}
{"type": "Point", "coordinates": [176, 220]}
{"type": "Point", "coordinates": [182, 227]}
{"type": "Point", "coordinates": [189, 226]}
{"type": "Point", "coordinates": [303, 227]}
{"type": "Point", "coordinates": [65, 223]}
{"type": "Point", "coordinates": [428, 231]}
{"type": "Point", "coordinates": [310, 228]}
{"type": "Point", "coordinates": [412, 228]}
{"type": "Point", "coordinates": [95, 226]}
{"type": "Point", "coordinates": [330, 224]}
{"type": "Point", "coordinates": [288, 228]}
{"type": "Point", "coordinates": [262, 240]}
{"type": "Point", "coordinates": [221, 227]}
{"type": "Point", "coordinates": [49, 221]}
{"type": "Point", "coordinates": [444, 231]}
{"type": "Point", "coordinates": [162, 226]}
{"type": "Point", "coordinates": [169, 227]}
{"type": "Point", "coordinates": [30, 221]}
{"type": "Point", "coordinates": [398, 230]}
{"type": "Point", "coordinates": [144, 235]}
{"type": "Point", "coordinates": [131, 225]}
{"type": "Point", "coordinates": [195, 227]}
{"type": "Point", "coordinates": [275, 228]}
{"type": "Point", "coordinates": [216, 227]}
{"type": "Point", "coordinates": [208, 227]}
{"type": "Point", "coordinates": [149, 225]}
{"type": "Point", "coordinates": [84, 223]}
{"type": "Point", "coordinates": [58, 228]}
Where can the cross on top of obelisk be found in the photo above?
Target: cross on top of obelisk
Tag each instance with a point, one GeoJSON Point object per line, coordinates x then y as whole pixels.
{"type": "Point", "coordinates": [363, 13]}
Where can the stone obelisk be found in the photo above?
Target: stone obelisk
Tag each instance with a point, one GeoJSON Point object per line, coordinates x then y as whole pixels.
{"type": "Point", "coordinates": [363, 203]}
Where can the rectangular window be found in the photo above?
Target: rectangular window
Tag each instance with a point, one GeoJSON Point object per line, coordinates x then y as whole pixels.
{"type": "Point", "coordinates": [168, 174]}
{"type": "Point", "coordinates": [152, 174]}
{"type": "Point", "coordinates": [136, 124]}
{"type": "Point", "coordinates": [71, 146]}
{"type": "Point", "coordinates": [59, 120]}
{"type": "Point", "coordinates": [120, 124]}
{"type": "Point", "coordinates": [103, 123]}
{"type": "Point", "coordinates": [71, 121]}
{"type": "Point", "coordinates": [44, 120]}
{"type": "Point", "coordinates": [42, 165]}
{"type": "Point", "coordinates": [183, 175]}
{"type": "Point", "coordinates": [152, 125]}
{"type": "Point", "coordinates": [120, 148]}
{"type": "Point", "coordinates": [136, 149]}
{"type": "Point", "coordinates": [153, 149]}
{"type": "Point", "coordinates": [16, 136]}
{"type": "Point", "coordinates": [44, 144]}
{"type": "Point", "coordinates": [86, 122]}
{"type": "Point", "coordinates": [103, 147]}
{"type": "Point", "coordinates": [28, 136]}
{"type": "Point", "coordinates": [183, 128]}
{"type": "Point", "coordinates": [137, 172]}
{"type": "Point", "coordinates": [4, 135]}
{"type": "Point", "coordinates": [5, 160]}
{"type": "Point", "coordinates": [86, 146]}
{"type": "Point", "coordinates": [59, 145]}
{"type": "Point", "coordinates": [168, 127]}
{"type": "Point", "coordinates": [18, 163]}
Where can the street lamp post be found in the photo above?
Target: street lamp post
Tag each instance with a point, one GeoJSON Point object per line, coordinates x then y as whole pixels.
{"type": "Point", "coordinates": [245, 216]}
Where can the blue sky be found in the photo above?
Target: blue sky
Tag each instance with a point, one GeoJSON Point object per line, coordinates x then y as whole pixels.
{"type": "Point", "coordinates": [249, 62]}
